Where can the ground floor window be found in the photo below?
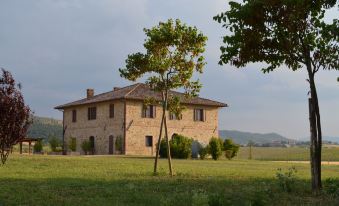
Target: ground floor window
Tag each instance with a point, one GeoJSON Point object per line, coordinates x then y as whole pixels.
{"type": "Point", "coordinates": [149, 141]}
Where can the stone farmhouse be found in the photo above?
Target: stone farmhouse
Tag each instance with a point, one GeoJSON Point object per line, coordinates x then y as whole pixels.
{"type": "Point", "coordinates": [117, 122]}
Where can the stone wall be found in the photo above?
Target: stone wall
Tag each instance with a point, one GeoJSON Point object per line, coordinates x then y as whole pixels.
{"type": "Point", "coordinates": [139, 127]}
{"type": "Point", "coordinates": [100, 128]}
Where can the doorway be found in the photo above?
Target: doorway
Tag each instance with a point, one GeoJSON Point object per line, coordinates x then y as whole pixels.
{"type": "Point", "coordinates": [111, 144]}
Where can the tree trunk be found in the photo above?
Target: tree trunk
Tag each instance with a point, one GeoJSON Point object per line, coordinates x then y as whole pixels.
{"type": "Point", "coordinates": [316, 136]}
{"type": "Point", "coordinates": [166, 136]}
{"type": "Point", "coordinates": [159, 138]}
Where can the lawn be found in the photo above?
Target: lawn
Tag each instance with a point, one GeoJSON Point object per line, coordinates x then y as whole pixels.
{"type": "Point", "coordinates": [123, 180]}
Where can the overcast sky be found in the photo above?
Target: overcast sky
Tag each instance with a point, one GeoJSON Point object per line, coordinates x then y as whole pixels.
{"type": "Point", "coordinates": [58, 48]}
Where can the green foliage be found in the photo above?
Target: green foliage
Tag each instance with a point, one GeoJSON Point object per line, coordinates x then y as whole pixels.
{"type": "Point", "coordinates": [215, 147]}
{"type": "Point", "coordinates": [38, 146]}
{"type": "Point", "coordinates": [119, 143]}
{"type": "Point", "coordinates": [292, 33]}
{"type": "Point", "coordinates": [86, 146]}
{"type": "Point", "coordinates": [204, 151]}
{"type": "Point", "coordinates": [181, 147]}
{"type": "Point", "coordinates": [54, 143]}
{"type": "Point", "coordinates": [231, 149]}
{"type": "Point", "coordinates": [286, 180]}
{"type": "Point", "coordinates": [331, 187]}
{"type": "Point", "coordinates": [72, 144]}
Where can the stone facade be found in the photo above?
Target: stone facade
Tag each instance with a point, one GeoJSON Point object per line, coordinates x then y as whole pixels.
{"type": "Point", "coordinates": [129, 124]}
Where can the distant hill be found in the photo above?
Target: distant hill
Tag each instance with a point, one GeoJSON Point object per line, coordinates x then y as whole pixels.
{"type": "Point", "coordinates": [244, 137]}
{"type": "Point", "coordinates": [43, 127]}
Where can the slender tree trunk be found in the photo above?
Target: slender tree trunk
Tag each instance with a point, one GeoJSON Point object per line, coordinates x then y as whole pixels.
{"type": "Point", "coordinates": [159, 138]}
{"type": "Point", "coordinates": [167, 140]}
{"type": "Point", "coordinates": [316, 135]}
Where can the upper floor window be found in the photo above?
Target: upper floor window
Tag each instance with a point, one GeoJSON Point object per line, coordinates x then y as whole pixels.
{"type": "Point", "coordinates": [148, 111]}
{"type": "Point", "coordinates": [92, 113]}
{"type": "Point", "coordinates": [173, 116]}
{"type": "Point", "coordinates": [74, 115]}
{"type": "Point", "coordinates": [111, 111]}
{"type": "Point", "coordinates": [199, 115]}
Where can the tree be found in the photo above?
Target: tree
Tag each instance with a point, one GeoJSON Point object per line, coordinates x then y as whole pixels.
{"type": "Point", "coordinates": [215, 147]}
{"type": "Point", "coordinates": [231, 149]}
{"type": "Point", "coordinates": [14, 114]}
{"type": "Point", "coordinates": [290, 33]}
{"type": "Point", "coordinates": [173, 54]}
{"type": "Point", "coordinates": [54, 143]}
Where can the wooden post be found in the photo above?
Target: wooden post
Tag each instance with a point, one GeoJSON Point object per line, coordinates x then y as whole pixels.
{"type": "Point", "coordinates": [29, 147]}
{"type": "Point", "coordinates": [20, 147]}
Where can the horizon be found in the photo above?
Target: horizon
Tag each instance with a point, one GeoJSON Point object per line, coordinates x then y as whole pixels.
{"type": "Point", "coordinates": [58, 49]}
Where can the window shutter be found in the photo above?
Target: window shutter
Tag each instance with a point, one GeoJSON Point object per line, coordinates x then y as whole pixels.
{"type": "Point", "coordinates": [204, 113]}
{"type": "Point", "coordinates": [88, 113]}
{"type": "Point", "coordinates": [154, 111]}
{"type": "Point", "coordinates": [195, 115]}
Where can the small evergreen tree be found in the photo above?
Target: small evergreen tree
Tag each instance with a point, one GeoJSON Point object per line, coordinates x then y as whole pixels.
{"type": "Point", "coordinates": [54, 143]}
{"type": "Point", "coordinates": [38, 146]}
{"type": "Point", "coordinates": [72, 144]}
{"type": "Point", "coordinates": [231, 149]}
{"type": "Point", "coordinates": [215, 147]}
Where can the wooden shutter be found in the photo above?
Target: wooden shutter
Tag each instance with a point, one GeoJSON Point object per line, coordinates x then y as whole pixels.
{"type": "Point", "coordinates": [154, 111]}
{"type": "Point", "coordinates": [89, 113]}
{"type": "Point", "coordinates": [204, 115]}
{"type": "Point", "coordinates": [143, 111]}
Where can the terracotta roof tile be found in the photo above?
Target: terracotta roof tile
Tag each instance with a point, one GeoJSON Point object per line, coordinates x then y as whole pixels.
{"type": "Point", "coordinates": [139, 91]}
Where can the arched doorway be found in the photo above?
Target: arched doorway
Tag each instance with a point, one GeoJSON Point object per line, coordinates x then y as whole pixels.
{"type": "Point", "coordinates": [92, 143]}
{"type": "Point", "coordinates": [111, 143]}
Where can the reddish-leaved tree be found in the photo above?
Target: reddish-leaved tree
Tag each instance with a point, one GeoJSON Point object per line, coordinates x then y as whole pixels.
{"type": "Point", "coordinates": [14, 114]}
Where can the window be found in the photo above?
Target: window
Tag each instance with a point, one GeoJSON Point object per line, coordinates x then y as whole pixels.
{"type": "Point", "coordinates": [148, 111]}
{"type": "Point", "coordinates": [111, 111]}
{"type": "Point", "coordinates": [92, 113]}
{"type": "Point", "coordinates": [173, 116]}
{"type": "Point", "coordinates": [74, 115]}
{"type": "Point", "coordinates": [199, 115]}
{"type": "Point", "coordinates": [149, 141]}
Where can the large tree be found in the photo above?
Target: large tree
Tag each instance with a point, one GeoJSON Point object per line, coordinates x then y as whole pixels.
{"type": "Point", "coordinates": [14, 114]}
{"type": "Point", "coordinates": [173, 54]}
{"type": "Point", "coordinates": [284, 32]}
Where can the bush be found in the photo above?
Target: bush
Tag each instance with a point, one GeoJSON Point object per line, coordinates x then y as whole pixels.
{"type": "Point", "coordinates": [73, 144]}
{"type": "Point", "coordinates": [118, 143]}
{"type": "Point", "coordinates": [181, 147]}
{"type": "Point", "coordinates": [38, 146]}
{"type": "Point", "coordinates": [331, 187]}
{"type": "Point", "coordinates": [215, 147]}
{"type": "Point", "coordinates": [204, 151]}
{"type": "Point", "coordinates": [231, 149]}
{"type": "Point", "coordinates": [86, 146]}
{"type": "Point", "coordinates": [286, 179]}
{"type": "Point", "coordinates": [54, 143]}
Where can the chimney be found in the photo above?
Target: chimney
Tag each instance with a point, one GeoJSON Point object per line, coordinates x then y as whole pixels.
{"type": "Point", "coordinates": [90, 93]}
{"type": "Point", "coordinates": [116, 88]}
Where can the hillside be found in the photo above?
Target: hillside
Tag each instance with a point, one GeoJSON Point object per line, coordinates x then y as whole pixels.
{"type": "Point", "coordinates": [244, 137]}
{"type": "Point", "coordinates": [43, 127]}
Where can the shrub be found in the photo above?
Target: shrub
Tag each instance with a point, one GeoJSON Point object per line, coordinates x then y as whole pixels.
{"type": "Point", "coordinates": [73, 144]}
{"type": "Point", "coordinates": [215, 147]}
{"type": "Point", "coordinates": [38, 146]}
{"type": "Point", "coordinates": [231, 149]}
{"type": "Point", "coordinates": [163, 148]}
{"type": "Point", "coordinates": [86, 146]}
{"type": "Point", "coordinates": [181, 147]}
{"type": "Point", "coordinates": [118, 143]}
{"type": "Point", "coordinates": [331, 187]}
{"type": "Point", "coordinates": [286, 179]}
{"type": "Point", "coordinates": [54, 143]}
{"type": "Point", "coordinates": [204, 151]}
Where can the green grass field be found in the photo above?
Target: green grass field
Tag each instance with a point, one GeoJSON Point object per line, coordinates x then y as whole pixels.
{"type": "Point", "coordinates": [288, 154]}
{"type": "Point", "coordinates": [123, 180]}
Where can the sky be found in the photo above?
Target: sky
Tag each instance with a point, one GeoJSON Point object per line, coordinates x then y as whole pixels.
{"type": "Point", "coordinates": [58, 48]}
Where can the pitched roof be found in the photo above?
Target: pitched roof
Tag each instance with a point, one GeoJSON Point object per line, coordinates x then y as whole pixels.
{"type": "Point", "coordinates": [139, 91]}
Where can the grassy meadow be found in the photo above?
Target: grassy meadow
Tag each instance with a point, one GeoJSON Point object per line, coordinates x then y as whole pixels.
{"type": "Point", "coordinates": [128, 180]}
{"type": "Point", "coordinates": [329, 153]}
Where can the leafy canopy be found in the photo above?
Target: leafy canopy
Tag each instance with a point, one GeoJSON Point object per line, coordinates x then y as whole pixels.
{"type": "Point", "coordinates": [290, 32]}
{"type": "Point", "coordinates": [173, 53]}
